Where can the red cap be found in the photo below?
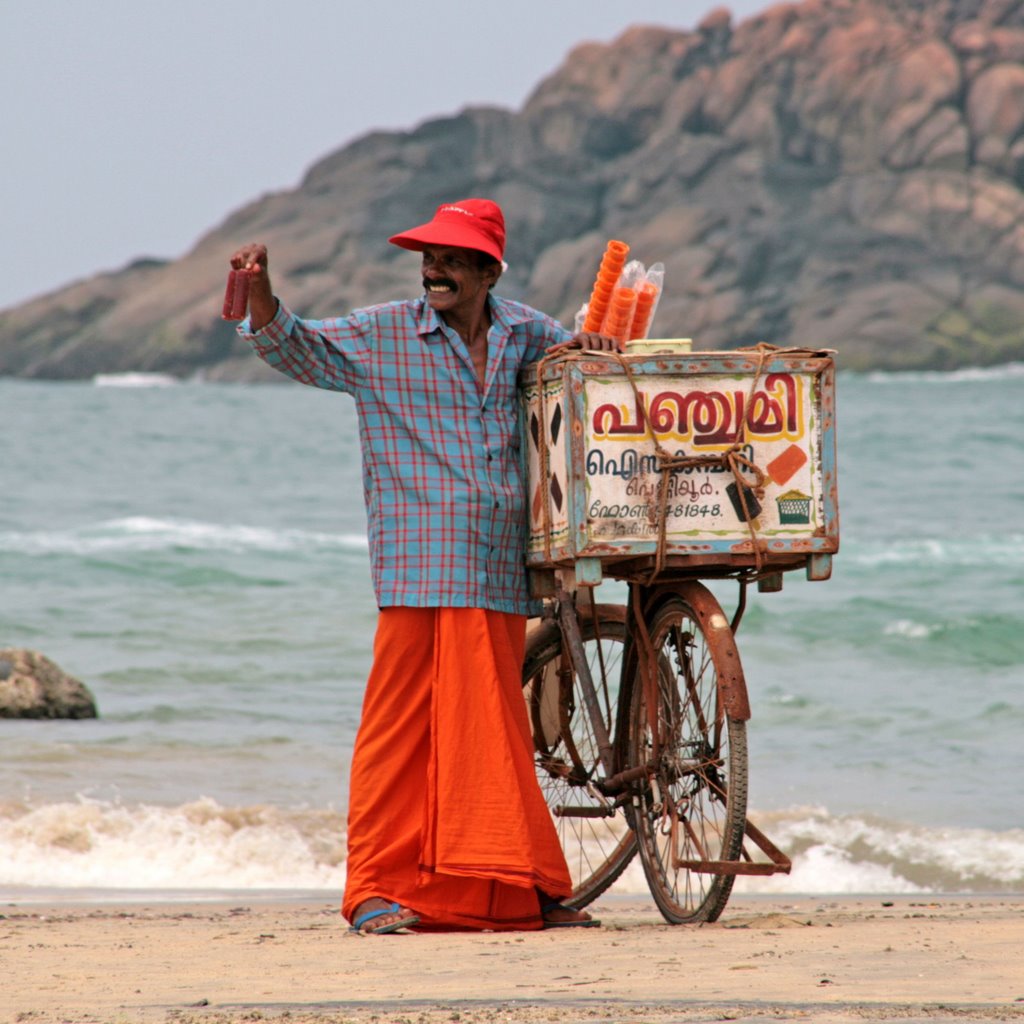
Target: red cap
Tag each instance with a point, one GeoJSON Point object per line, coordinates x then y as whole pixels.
{"type": "Point", "coordinates": [468, 224]}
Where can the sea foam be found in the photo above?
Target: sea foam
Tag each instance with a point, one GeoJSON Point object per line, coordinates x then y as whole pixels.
{"type": "Point", "coordinates": [200, 844]}
{"type": "Point", "coordinates": [143, 533]}
{"type": "Point", "coordinates": [995, 374]}
{"type": "Point", "coordinates": [970, 551]}
{"type": "Point", "coordinates": [204, 845]}
{"type": "Point", "coordinates": [134, 380]}
{"type": "Point", "coordinates": [857, 853]}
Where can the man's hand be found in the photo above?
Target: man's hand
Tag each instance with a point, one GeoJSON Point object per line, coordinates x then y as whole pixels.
{"type": "Point", "coordinates": [592, 341]}
{"type": "Point", "coordinates": [262, 304]}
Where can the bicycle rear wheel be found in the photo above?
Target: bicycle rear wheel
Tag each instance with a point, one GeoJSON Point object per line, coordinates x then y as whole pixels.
{"type": "Point", "coordinates": [592, 828]}
{"type": "Point", "coordinates": [690, 811]}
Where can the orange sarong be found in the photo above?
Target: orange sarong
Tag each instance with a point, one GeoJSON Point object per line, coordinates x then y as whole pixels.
{"type": "Point", "coordinates": [445, 813]}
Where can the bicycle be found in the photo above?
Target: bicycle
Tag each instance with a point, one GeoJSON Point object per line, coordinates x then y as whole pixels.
{"type": "Point", "coordinates": [653, 761]}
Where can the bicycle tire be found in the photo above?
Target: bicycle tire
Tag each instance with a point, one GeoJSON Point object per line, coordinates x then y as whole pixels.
{"type": "Point", "coordinates": [597, 849]}
{"type": "Point", "coordinates": [702, 765]}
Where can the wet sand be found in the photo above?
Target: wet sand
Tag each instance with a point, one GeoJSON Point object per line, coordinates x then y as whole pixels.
{"type": "Point", "coordinates": [292, 960]}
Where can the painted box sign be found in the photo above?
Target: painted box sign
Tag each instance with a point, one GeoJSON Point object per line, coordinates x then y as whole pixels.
{"type": "Point", "coordinates": [723, 458]}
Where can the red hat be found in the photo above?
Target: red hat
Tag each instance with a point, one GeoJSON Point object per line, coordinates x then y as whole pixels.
{"type": "Point", "coordinates": [468, 224]}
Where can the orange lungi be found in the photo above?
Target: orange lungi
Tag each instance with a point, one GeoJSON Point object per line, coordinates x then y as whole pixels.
{"type": "Point", "coordinates": [445, 813]}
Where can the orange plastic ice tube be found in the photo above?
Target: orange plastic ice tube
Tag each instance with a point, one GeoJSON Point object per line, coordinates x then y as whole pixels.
{"type": "Point", "coordinates": [612, 262]}
{"type": "Point", "coordinates": [620, 314]}
{"type": "Point", "coordinates": [646, 296]}
{"type": "Point", "coordinates": [236, 296]}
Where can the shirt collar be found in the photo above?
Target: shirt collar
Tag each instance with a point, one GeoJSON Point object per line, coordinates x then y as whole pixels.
{"type": "Point", "coordinates": [427, 321]}
{"type": "Point", "coordinates": [504, 316]}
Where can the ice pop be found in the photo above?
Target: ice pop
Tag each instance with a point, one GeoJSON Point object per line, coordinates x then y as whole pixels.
{"type": "Point", "coordinates": [236, 295]}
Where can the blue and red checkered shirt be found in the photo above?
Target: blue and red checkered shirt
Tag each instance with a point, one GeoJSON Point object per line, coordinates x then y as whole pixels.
{"type": "Point", "coordinates": [442, 476]}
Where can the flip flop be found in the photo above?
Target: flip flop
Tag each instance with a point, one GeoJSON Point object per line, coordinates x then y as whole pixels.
{"type": "Point", "coordinates": [589, 922]}
{"type": "Point", "coordinates": [358, 925]}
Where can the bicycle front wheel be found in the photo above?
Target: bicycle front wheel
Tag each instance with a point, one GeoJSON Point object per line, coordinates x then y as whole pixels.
{"type": "Point", "coordinates": [592, 828]}
{"type": "Point", "coordinates": [689, 811]}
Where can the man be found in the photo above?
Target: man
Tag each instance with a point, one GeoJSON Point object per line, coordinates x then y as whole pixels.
{"type": "Point", "coordinates": [447, 825]}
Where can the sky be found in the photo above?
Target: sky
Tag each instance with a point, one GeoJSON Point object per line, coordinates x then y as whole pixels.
{"type": "Point", "coordinates": [131, 127]}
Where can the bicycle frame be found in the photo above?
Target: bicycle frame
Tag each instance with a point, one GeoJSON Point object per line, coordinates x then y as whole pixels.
{"type": "Point", "coordinates": [640, 660]}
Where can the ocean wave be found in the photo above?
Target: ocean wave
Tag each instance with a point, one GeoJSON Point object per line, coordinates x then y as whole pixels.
{"type": "Point", "coordinates": [134, 380]}
{"type": "Point", "coordinates": [995, 374]}
{"type": "Point", "coordinates": [95, 844]}
{"type": "Point", "coordinates": [204, 845]}
{"type": "Point", "coordinates": [979, 550]}
{"type": "Point", "coordinates": [911, 630]}
{"type": "Point", "coordinates": [145, 534]}
{"type": "Point", "coordinates": [856, 853]}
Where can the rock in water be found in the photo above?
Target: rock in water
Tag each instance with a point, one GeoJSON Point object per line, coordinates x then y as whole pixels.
{"type": "Point", "coordinates": [32, 686]}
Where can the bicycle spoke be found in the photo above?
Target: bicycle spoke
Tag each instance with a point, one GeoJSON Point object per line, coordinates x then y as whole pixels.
{"type": "Point", "coordinates": [592, 826]}
{"type": "Point", "coordinates": [690, 813]}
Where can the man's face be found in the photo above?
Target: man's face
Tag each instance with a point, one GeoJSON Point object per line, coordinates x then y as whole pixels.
{"type": "Point", "coordinates": [454, 280]}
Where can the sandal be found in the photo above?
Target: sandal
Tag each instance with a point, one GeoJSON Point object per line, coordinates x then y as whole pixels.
{"type": "Point", "coordinates": [359, 924]}
{"type": "Point", "coordinates": [585, 922]}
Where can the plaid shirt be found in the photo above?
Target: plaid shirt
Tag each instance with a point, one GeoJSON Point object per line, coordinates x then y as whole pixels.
{"type": "Point", "coordinates": [442, 476]}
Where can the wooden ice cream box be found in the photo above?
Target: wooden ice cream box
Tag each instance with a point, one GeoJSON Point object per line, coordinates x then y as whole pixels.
{"type": "Point", "coordinates": [699, 463]}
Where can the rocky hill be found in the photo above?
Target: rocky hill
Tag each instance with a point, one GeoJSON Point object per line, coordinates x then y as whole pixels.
{"type": "Point", "coordinates": [834, 173]}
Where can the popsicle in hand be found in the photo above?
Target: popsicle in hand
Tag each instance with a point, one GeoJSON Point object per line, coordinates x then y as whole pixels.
{"type": "Point", "coordinates": [236, 295]}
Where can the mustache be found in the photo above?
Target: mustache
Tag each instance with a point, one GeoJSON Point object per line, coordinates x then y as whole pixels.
{"type": "Point", "coordinates": [439, 280]}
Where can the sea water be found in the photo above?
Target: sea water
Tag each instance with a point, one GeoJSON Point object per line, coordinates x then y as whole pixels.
{"type": "Point", "coordinates": [196, 554]}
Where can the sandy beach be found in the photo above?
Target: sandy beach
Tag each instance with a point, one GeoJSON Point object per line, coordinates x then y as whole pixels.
{"type": "Point", "coordinates": [809, 959]}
